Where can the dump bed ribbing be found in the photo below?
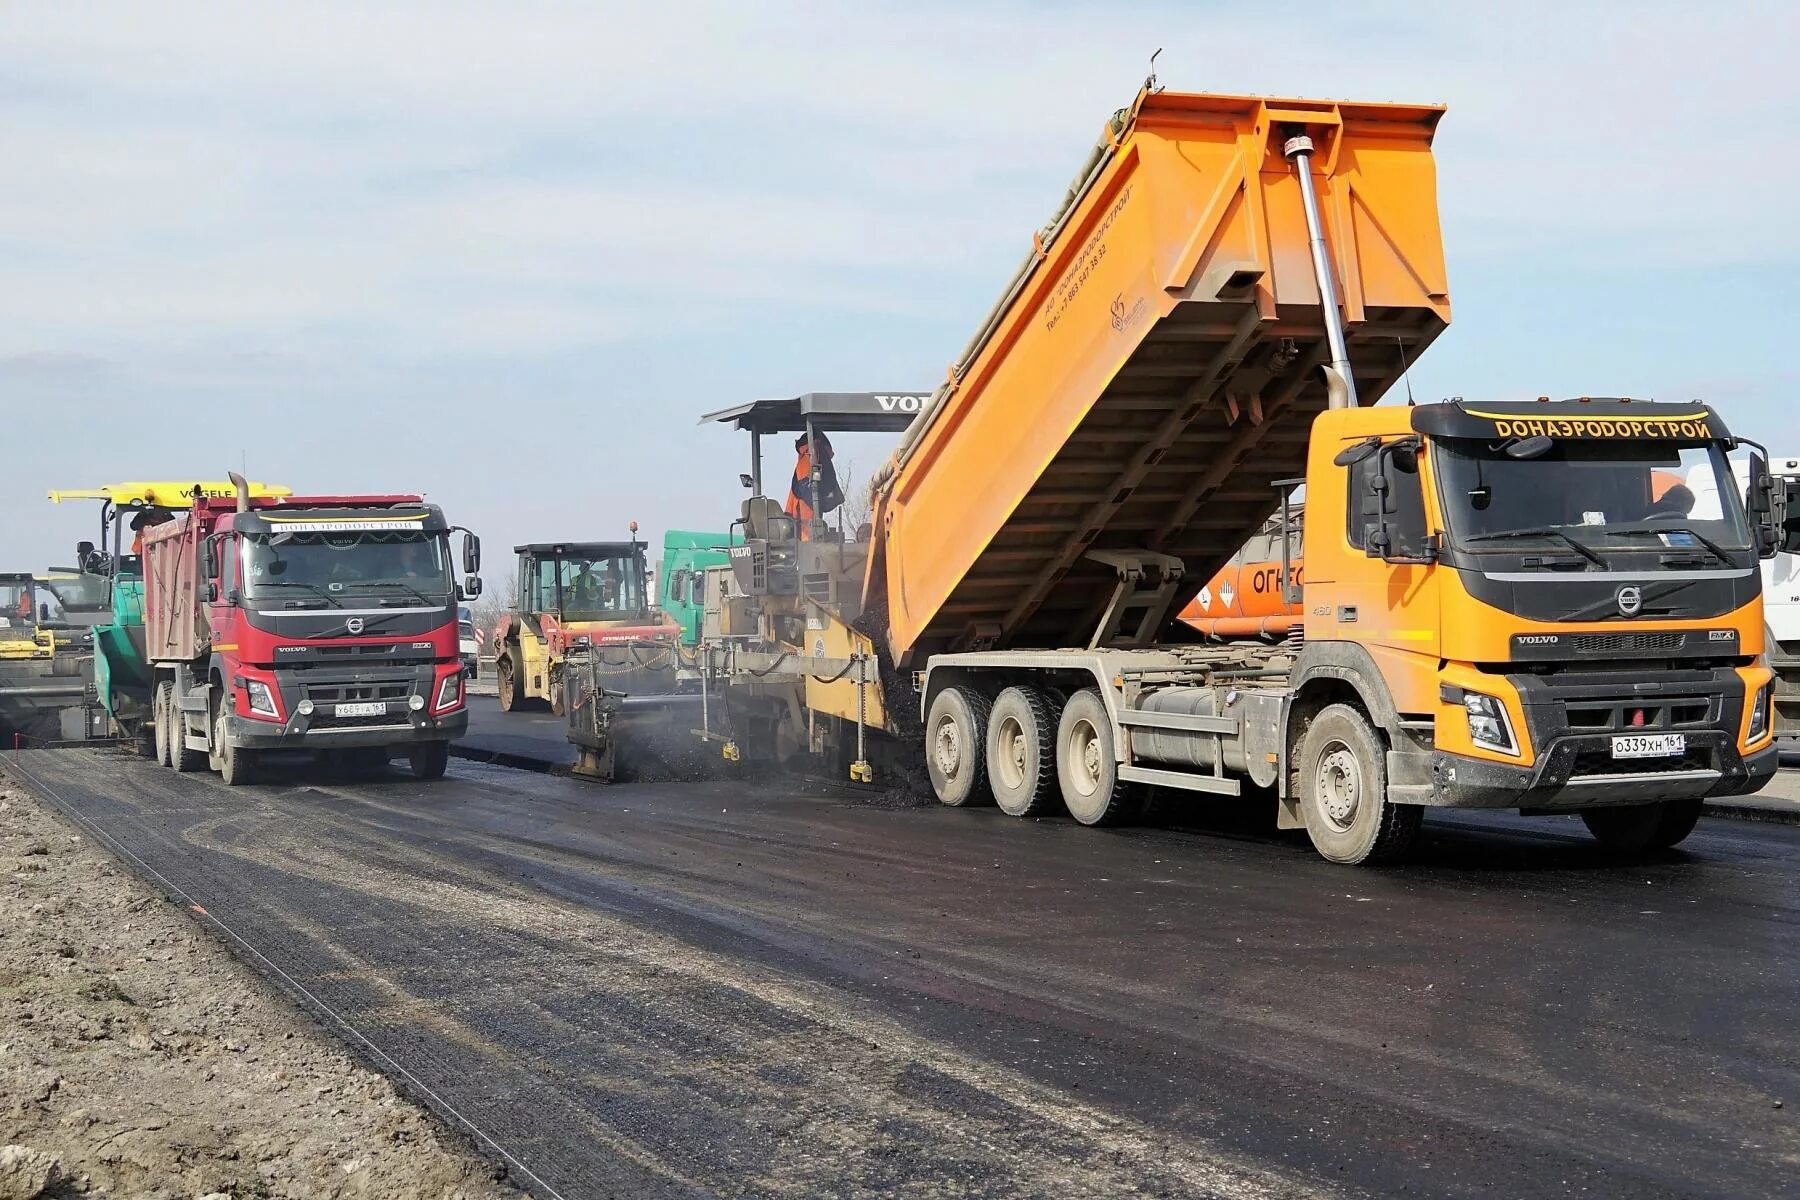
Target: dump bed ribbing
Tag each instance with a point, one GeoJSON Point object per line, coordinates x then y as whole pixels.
{"type": "Point", "coordinates": [1154, 369]}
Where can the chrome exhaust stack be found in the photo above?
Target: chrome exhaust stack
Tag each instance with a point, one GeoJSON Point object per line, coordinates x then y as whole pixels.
{"type": "Point", "coordinates": [1299, 150]}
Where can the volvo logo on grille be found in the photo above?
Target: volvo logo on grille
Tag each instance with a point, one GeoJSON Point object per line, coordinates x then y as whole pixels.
{"type": "Point", "coordinates": [1631, 601]}
{"type": "Point", "coordinates": [355, 624]}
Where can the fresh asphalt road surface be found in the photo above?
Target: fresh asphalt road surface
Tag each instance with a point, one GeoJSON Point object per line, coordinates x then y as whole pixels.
{"type": "Point", "coordinates": [529, 733]}
{"type": "Point", "coordinates": [726, 989]}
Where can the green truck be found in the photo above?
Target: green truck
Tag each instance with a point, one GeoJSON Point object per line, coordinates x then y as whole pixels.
{"type": "Point", "coordinates": [681, 581]}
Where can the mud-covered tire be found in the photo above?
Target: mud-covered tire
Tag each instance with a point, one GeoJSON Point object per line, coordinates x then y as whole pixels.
{"type": "Point", "coordinates": [159, 719]}
{"type": "Point", "coordinates": [429, 759]}
{"type": "Point", "coordinates": [1087, 765]}
{"type": "Point", "coordinates": [1642, 828]}
{"type": "Point", "coordinates": [511, 683]}
{"type": "Point", "coordinates": [180, 757]}
{"type": "Point", "coordinates": [235, 764]}
{"type": "Point", "coordinates": [956, 745]}
{"type": "Point", "coordinates": [1342, 787]}
{"type": "Point", "coordinates": [1021, 752]}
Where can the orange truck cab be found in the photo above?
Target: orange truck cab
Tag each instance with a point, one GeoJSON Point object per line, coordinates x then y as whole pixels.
{"type": "Point", "coordinates": [1534, 618]}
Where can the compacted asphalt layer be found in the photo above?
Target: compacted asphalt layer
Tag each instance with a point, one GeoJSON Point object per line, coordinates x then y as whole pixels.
{"type": "Point", "coordinates": [770, 989]}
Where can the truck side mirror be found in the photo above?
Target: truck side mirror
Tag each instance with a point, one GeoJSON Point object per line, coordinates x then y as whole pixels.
{"type": "Point", "coordinates": [471, 556]}
{"type": "Point", "coordinates": [212, 592]}
{"type": "Point", "coordinates": [1759, 496]}
{"type": "Point", "coordinates": [209, 559]}
{"type": "Point", "coordinates": [471, 587]}
{"type": "Point", "coordinates": [1379, 503]}
{"type": "Point", "coordinates": [1768, 515]}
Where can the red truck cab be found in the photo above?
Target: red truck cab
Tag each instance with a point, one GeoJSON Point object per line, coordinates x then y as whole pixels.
{"type": "Point", "coordinates": [323, 623]}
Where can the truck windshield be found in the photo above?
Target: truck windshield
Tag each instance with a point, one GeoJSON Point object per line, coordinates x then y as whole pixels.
{"type": "Point", "coordinates": [344, 563]}
{"type": "Point", "coordinates": [1601, 495]}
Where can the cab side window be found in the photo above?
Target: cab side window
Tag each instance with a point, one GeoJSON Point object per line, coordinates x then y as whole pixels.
{"type": "Point", "coordinates": [1406, 498]}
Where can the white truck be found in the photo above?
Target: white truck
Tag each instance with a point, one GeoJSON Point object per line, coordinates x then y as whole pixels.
{"type": "Point", "coordinates": [1781, 585]}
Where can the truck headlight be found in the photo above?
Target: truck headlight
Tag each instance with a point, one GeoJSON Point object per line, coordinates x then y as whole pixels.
{"type": "Point", "coordinates": [1759, 714]}
{"type": "Point", "coordinates": [449, 692]}
{"type": "Point", "coordinates": [1488, 723]}
{"type": "Point", "coordinates": [262, 700]}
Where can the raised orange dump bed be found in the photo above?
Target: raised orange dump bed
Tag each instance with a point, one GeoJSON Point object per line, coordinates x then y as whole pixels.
{"type": "Point", "coordinates": [1154, 367]}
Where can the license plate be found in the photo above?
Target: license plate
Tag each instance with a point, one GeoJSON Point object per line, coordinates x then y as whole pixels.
{"type": "Point", "coordinates": [378, 709]}
{"type": "Point", "coordinates": [1649, 745]}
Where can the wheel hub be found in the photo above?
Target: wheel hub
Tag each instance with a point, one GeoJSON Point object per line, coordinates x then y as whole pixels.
{"type": "Point", "coordinates": [1339, 786]}
{"type": "Point", "coordinates": [948, 749]}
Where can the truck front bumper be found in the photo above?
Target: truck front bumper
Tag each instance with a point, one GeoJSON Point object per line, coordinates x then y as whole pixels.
{"type": "Point", "coordinates": [394, 688]}
{"type": "Point", "coordinates": [1564, 777]}
{"type": "Point", "coordinates": [298, 732]}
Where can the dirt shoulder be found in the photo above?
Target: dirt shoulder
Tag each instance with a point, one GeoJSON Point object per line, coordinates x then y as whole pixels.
{"type": "Point", "coordinates": [141, 1059]}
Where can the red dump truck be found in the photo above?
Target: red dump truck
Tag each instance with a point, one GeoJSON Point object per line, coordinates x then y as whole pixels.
{"type": "Point", "coordinates": [324, 623]}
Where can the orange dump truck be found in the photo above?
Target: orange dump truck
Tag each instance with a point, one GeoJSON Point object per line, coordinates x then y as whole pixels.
{"type": "Point", "coordinates": [1496, 612]}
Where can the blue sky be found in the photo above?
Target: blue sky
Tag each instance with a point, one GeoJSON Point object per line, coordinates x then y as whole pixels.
{"type": "Point", "coordinates": [507, 253]}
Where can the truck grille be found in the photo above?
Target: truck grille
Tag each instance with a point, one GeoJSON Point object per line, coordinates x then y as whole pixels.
{"type": "Point", "coordinates": [324, 721]}
{"type": "Point", "coordinates": [1624, 715]}
{"type": "Point", "coordinates": [1601, 762]}
{"type": "Point", "coordinates": [1627, 643]}
{"type": "Point", "coordinates": [332, 693]}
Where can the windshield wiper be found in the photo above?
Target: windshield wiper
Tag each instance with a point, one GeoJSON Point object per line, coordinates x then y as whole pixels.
{"type": "Point", "coordinates": [1580, 547]}
{"type": "Point", "coordinates": [1663, 527]}
{"type": "Point", "coordinates": [381, 583]}
{"type": "Point", "coordinates": [301, 583]}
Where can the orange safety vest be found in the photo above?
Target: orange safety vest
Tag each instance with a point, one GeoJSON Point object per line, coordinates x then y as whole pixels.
{"type": "Point", "coordinates": [797, 505]}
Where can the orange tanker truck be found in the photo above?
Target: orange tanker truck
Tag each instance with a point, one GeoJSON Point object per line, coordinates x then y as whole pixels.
{"type": "Point", "coordinates": [1496, 611]}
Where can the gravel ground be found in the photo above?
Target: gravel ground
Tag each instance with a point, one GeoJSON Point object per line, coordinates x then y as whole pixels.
{"type": "Point", "coordinates": [139, 1058]}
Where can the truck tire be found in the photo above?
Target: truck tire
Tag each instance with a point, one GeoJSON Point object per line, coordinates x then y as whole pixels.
{"type": "Point", "coordinates": [1639, 828]}
{"type": "Point", "coordinates": [159, 716]}
{"type": "Point", "coordinates": [511, 684]}
{"type": "Point", "coordinates": [1021, 752]}
{"type": "Point", "coordinates": [1343, 792]}
{"type": "Point", "coordinates": [955, 744]}
{"type": "Point", "coordinates": [1087, 765]}
{"type": "Point", "coordinates": [180, 757]}
{"type": "Point", "coordinates": [429, 759]}
{"type": "Point", "coordinates": [235, 764]}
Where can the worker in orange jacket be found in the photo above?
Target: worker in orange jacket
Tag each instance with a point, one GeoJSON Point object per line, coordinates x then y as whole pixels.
{"type": "Point", "coordinates": [802, 502]}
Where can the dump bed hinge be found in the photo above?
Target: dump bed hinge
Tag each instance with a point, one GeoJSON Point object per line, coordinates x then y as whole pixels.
{"type": "Point", "coordinates": [1140, 601]}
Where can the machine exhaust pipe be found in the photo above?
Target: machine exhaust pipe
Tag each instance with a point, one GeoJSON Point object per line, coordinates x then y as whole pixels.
{"type": "Point", "coordinates": [243, 491]}
{"type": "Point", "coordinates": [1299, 149]}
{"type": "Point", "coordinates": [1337, 389]}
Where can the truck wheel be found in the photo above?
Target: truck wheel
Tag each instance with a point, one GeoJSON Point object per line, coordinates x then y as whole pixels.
{"type": "Point", "coordinates": [1343, 792]}
{"type": "Point", "coordinates": [1021, 752]}
{"type": "Point", "coordinates": [235, 764]}
{"type": "Point", "coordinates": [1087, 764]}
{"type": "Point", "coordinates": [180, 757]}
{"type": "Point", "coordinates": [159, 716]}
{"type": "Point", "coordinates": [955, 741]}
{"type": "Point", "coordinates": [512, 691]}
{"type": "Point", "coordinates": [429, 760]}
{"type": "Point", "coordinates": [1636, 828]}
